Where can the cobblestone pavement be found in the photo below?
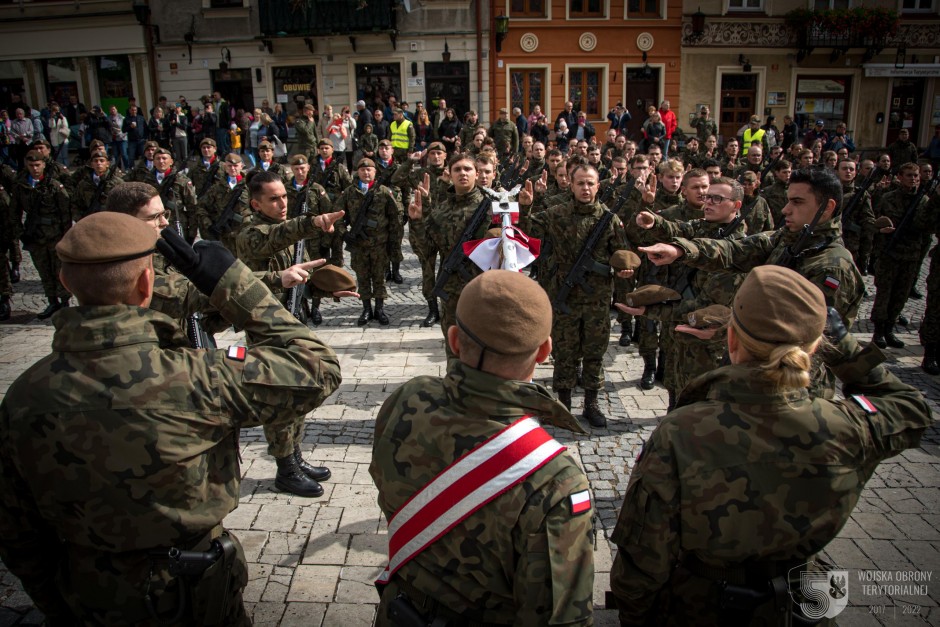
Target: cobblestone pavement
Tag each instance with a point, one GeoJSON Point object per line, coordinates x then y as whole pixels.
{"type": "Point", "coordinates": [312, 561]}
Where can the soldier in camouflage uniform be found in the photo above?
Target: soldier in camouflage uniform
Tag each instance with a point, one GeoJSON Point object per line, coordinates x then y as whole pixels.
{"type": "Point", "coordinates": [754, 208]}
{"type": "Point", "coordinates": [858, 228]}
{"type": "Point", "coordinates": [670, 174]}
{"type": "Point", "coordinates": [504, 131]}
{"type": "Point", "coordinates": [44, 203]}
{"type": "Point", "coordinates": [267, 243]}
{"type": "Point", "coordinates": [324, 245]}
{"type": "Point", "coordinates": [176, 191]}
{"type": "Point", "coordinates": [721, 504]}
{"type": "Point", "coordinates": [205, 169]}
{"type": "Point", "coordinates": [223, 192]}
{"type": "Point", "coordinates": [730, 159]}
{"type": "Point", "coordinates": [90, 194]}
{"type": "Point", "coordinates": [825, 262]}
{"type": "Point", "coordinates": [13, 251]}
{"type": "Point", "coordinates": [54, 169]}
{"type": "Point", "coordinates": [753, 161]}
{"type": "Point", "coordinates": [7, 235]}
{"type": "Point", "coordinates": [369, 252]}
{"type": "Point", "coordinates": [428, 182]}
{"type": "Point", "coordinates": [581, 334]}
{"type": "Point", "coordinates": [143, 170]}
{"type": "Point", "coordinates": [266, 163]}
{"type": "Point", "coordinates": [329, 172]}
{"type": "Point", "coordinates": [307, 133]}
{"type": "Point", "coordinates": [690, 353]}
{"type": "Point", "coordinates": [386, 166]}
{"type": "Point", "coordinates": [898, 266]}
{"type": "Point", "coordinates": [525, 557]}
{"type": "Point", "coordinates": [172, 435]}
{"type": "Point", "coordinates": [776, 193]}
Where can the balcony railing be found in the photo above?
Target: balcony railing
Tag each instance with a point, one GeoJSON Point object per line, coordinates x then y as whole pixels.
{"type": "Point", "coordinates": [820, 36]}
{"type": "Point", "coordinates": [280, 18]}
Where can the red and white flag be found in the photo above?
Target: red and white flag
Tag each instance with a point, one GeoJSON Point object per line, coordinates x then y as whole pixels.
{"type": "Point", "coordinates": [487, 254]}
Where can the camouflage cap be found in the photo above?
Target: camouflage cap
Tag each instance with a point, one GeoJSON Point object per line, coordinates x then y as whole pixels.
{"type": "Point", "coordinates": [651, 295]}
{"type": "Point", "coordinates": [527, 322]}
{"type": "Point", "coordinates": [209, 141]}
{"type": "Point", "coordinates": [624, 260]}
{"type": "Point", "coordinates": [711, 316]}
{"type": "Point", "coordinates": [778, 306]}
{"type": "Point", "coordinates": [437, 146]}
{"type": "Point", "coordinates": [106, 237]}
{"type": "Point", "coordinates": [883, 222]}
{"type": "Point", "coordinates": [332, 279]}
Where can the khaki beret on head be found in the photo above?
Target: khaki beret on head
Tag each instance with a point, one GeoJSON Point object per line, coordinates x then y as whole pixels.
{"type": "Point", "coordinates": [97, 143]}
{"type": "Point", "coordinates": [385, 142]}
{"type": "Point", "coordinates": [651, 295]}
{"type": "Point", "coordinates": [505, 312]}
{"type": "Point", "coordinates": [34, 155]}
{"type": "Point", "coordinates": [208, 140]}
{"type": "Point", "coordinates": [324, 142]}
{"type": "Point", "coordinates": [437, 146]}
{"type": "Point", "coordinates": [150, 144]}
{"type": "Point", "coordinates": [883, 222]}
{"type": "Point", "coordinates": [332, 279]}
{"type": "Point", "coordinates": [365, 162]}
{"type": "Point", "coordinates": [106, 237]}
{"type": "Point", "coordinates": [265, 144]}
{"type": "Point", "coordinates": [162, 151]}
{"type": "Point", "coordinates": [99, 154]}
{"type": "Point", "coordinates": [778, 306]}
{"type": "Point", "coordinates": [298, 160]}
{"type": "Point", "coordinates": [711, 316]}
{"type": "Point", "coordinates": [624, 260]}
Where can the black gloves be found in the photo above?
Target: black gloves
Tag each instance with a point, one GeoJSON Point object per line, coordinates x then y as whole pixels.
{"type": "Point", "coordinates": [835, 329]}
{"type": "Point", "coordinates": [203, 264]}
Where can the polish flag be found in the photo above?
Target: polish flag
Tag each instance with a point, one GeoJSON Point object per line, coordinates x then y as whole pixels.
{"type": "Point", "coordinates": [580, 502]}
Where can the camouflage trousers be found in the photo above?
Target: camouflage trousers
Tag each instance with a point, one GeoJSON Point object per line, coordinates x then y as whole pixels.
{"type": "Point", "coordinates": [369, 264]}
{"type": "Point", "coordinates": [581, 336]}
{"type": "Point", "coordinates": [893, 282]}
{"type": "Point", "coordinates": [281, 438]}
{"type": "Point", "coordinates": [930, 327]}
{"type": "Point", "coordinates": [859, 245]}
{"type": "Point", "coordinates": [394, 249]}
{"type": "Point", "coordinates": [6, 286]}
{"type": "Point", "coordinates": [649, 336]}
{"type": "Point", "coordinates": [622, 287]}
{"type": "Point", "coordinates": [428, 261]}
{"type": "Point", "coordinates": [14, 252]}
{"type": "Point", "coordinates": [48, 265]}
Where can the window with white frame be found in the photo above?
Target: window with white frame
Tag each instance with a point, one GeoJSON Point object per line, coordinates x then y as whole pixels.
{"type": "Point", "coordinates": [918, 6]}
{"type": "Point", "coordinates": [745, 5]}
{"type": "Point", "coordinates": [829, 5]}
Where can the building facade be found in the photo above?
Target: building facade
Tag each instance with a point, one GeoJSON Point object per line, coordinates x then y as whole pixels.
{"type": "Point", "coordinates": [594, 53]}
{"type": "Point", "coordinates": [873, 65]}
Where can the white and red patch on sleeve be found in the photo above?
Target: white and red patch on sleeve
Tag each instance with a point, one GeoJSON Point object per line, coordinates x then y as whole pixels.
{"type": "Point", "coordinates": [237, 353]}
{"type": "Point", "coordinates": [580, 502]}
{"type": "Point", "coordinates": [832, 283]}
{"type": "Point", "coordinates": [865, 404]}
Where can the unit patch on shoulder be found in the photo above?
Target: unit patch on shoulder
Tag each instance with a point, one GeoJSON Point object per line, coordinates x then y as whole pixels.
{"type": "Point", "coordinates": [865, 404]}
{"type": "Point", "coordinates": [832, 283]}
{"type": "Point", "coordinates": [237, 353]}
{"type": "Point", "coordinates": [580, 502]}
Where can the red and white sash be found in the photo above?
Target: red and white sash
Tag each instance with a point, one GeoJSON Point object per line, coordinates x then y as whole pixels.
{"type": "Point", "coordinates": [464, 487]}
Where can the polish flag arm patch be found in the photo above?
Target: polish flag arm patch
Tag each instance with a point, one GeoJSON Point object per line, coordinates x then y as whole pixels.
{"type": "Point", "coordinates": [832, 283]}
{"type": "Point", "coordinates": [865, 404]}
{"type": "Point", "coordinates": [237, 353]}
{"type": "Point", "coordinates": [580, 502]}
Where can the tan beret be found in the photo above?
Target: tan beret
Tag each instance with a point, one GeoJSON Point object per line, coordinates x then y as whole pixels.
{"type": "Point", "coordinates": [365, 162]}
{"type": "Point", "coordinates": [106, 237]}
{"type": "Point", "coordinates": [505, 312]}
{"type": "Point", "coordinates": [332, 279]}
{"type": "Point", "coordinates": [494, 232]}
{"type": "Point", "coordinates": [385, 142]}
{"type": "Point", "coordinates": [778, 306]}
{"type": "Point", "coordinates": [298, 160]}
{"type": "Point", "coordinates": [162, 151]}
{"type": "Point", "coordinates": [883, 222]}
{"type": "Point", "coordinates": [97, 143]}
{"type": "Point", "coordinates": [209, 141]}
{"type": "Point", "coordinates": [324, 142]}
{"type": "Point", "coordinates": [651, 295]}
{"type": "Point", "coordinates": [711, 316]}
{"type": "Point", "coordinates": [624, 260]}
{"type": "Point", "coordinates": [437, 146]}
{"type": "Point", "coordinates": [34, 155]}
{"type": "Point", "coordinates": [98, 154]}
{"type": "Point", "coordinates": [265, 144]}
{"type": "Point", "coordinates": [150, 144]}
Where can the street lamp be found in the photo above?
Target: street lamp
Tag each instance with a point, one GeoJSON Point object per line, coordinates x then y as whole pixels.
{"type": "Point", "coordinates": [502, 30]}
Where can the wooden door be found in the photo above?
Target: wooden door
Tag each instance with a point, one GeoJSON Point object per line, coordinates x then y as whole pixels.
{"type": "Point", "coordinates": [738, 103]}
{"type": "Point", "coordinates": [642, 91]}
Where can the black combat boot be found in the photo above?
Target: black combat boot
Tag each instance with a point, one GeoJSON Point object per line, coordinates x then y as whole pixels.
{"type": "Point", "coordinates": [317, 473]}
{"type": "Point", "coordinates": [879, 337]}
{"type": "Point", "coordinates": [592, 412]}
{"type": "Point", "coordinates": [564, 395]}
{"type": "Point", "coordinates": [915, 295]}
{"type": "Point", "coordinates": [661, 368]}
{"type": "Point", "coordinates": [626, 333]}
{"type": "Point", "coordinates": [366, 314]}
{"type": "Point", "coordinates": [672, 401]}
{"type": "Point", "coordinates": [315, 316]}
{"type": "Point", "coordinates": [388, 272]}
{"type": "Point", "coordinates": [290, 478]}
{"type": "Point", "coordinates": [396, 274]}
{"type": "Point", "coordinates": [434, 314]}
{"type": "Point", "coordinates": [54, 306]}
{"type": "Point", "coordinates": [903, 321]}
{"type": "Point", "coordinates": [579, 375]}
{"type": "Point", "coordinates": [5, 309]}
{"type": "Point", "coordinates": [636, 331]}
{"type": "Point", "coordinates": [66, 301]}
{"type": "Point", "coordinates": [929, 365]}
{"type": "Point", "coordinates": [14, 273]}
{"type": "Point", "coordinates": [649, 372]}
{"type": "Point", "coordinates": [380, 312]}
{"type": "Point", "coordinates": [890, 338]}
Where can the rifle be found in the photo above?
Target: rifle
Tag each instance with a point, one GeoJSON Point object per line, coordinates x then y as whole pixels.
{"type": "Point", "coordinates": [95, 206]}
{"type": "Point", "coordinates": [166, 187]}
{"type": "Point", "coordinates": [585, 264]}
{"type": "Point", "coordinates": [767, 168]}
{"type": "Point", "coordinates": [454, 260]}
{"type": "Point", "coordinates": [850, 209]}
{"type": "Point", "coordinates": [797, 249]}
{"type": "Point", "coordinates": [295, 295]}
{"type": "Point", "coordinates": [357, 232]}
{"type": "Point", "coordinates": [511, 173]}
{"type": "Point", "coordinates": [229, 217]}
{"type": "Point", "coordinates": [210, 177]}
{"type": "Point", "coordinates": [926, 188]}
{"type": "Point", "coordinates": [198, 338]}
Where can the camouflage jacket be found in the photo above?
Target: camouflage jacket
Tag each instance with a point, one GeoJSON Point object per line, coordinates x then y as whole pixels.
{"type": "Point", "coordinates": [328, 245]}
{"type": "Point", "coordinates": [704, 127]}
{"type": "Point", "coordinates": [89, 196]}
{"type": "Point", "coordinates": [467, 132]}
{"type": "Point", "coordinates": [756, 214]}
{"type": "Point", "coordinates": [277, 168]}
{"type": "Point", "coordinates": [7, 228]}
{"type": "Point", "coordinates": [862, 220]}
{"type": "Point", "coordinates": [530, 561]}
{"type": "Point", "coordinates": [909, 243]}
{"type": "Point", "coordinates": [721, 481]}
{"type": "Point", "coordinates": [266, 245]}
{"type": "Point", "coordinates": [664, 200]}
{"type": "Point", "coordinates": [140, 173]}
{"type": "Point", "coordinates": [145, 454]}
{"type": "Point", "coordinates": [410, 176]}
{"type": "Point", "coordinates": [46, 210]}
{"type": "Point", "coordinates": [776, 197]}
{"type": "Point", "coordinates": [198, 173]}
{"type": "Point", "coordinates": [445, 225]}
{"type": "Point", "coordinates": [211, 206]}
{"type": "Point", "coordinates": [505, 132]}
{"type": "Point", "coordinates": [383, 223]}
{"type": "Point", "coordinates": [334, 178]}
{"type": "Point", "coordinates": [569, 225]}
{"type": "Point", "coordinates": [177, 193]}
{"type": "Point", "coordinates": [307, 135]}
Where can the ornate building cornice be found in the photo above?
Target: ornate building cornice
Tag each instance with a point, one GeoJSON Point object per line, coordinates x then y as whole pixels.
{"type": "Point", "coordinates": [764, 33]}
